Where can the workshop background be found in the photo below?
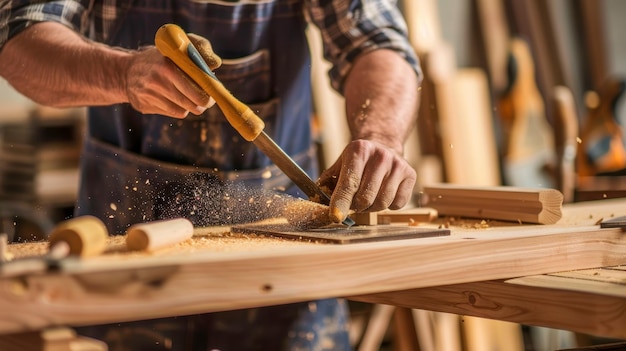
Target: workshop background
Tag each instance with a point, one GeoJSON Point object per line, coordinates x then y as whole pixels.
{"type": "Point", "coordinates": [483, 120]}
{"type": "Point", "coordinates": [573, 43]}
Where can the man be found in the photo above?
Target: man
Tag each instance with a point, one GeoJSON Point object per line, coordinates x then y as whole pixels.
{"type": "Point", "coordinates": [155, 150]}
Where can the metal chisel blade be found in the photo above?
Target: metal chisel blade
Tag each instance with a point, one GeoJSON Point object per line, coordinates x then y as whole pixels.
{"type": "Point", "coordinates": [293, 171]}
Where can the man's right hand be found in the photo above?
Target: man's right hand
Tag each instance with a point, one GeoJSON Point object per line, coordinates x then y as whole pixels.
{"type": "Point", "coordinates": [86, 73]}
{"type": "Point", "coordinates": [167, 90]}
{"type": "Point", "coordinates": [155, 85]}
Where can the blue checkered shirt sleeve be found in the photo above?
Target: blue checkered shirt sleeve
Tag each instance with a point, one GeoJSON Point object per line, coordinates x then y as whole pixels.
{"type": "Point", "coordinates": [350, 28]}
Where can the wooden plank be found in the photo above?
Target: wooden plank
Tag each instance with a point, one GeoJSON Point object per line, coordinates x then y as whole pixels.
{"type": "Point", "coordinates": [422, 18]}
{"type": "Point", "coordinates": [455, 109]}
{"type": "Point", "coordinates": [469, 162]}
{"type": "Point", "coordinates": [530, 205]}
{"type": "Point", "coordinates": [591, 22]}
{"type": "Point", "coordinates": [495, 32]}
{"type": "Point", "coordinates": [214, 274]}
{"type": "Point", "coordinates": [569, 283]}
{"type": "Point", "coordinates": [538, 304]}
{"type": "Point", "coordinates": [461, 99]}
{"type": "Point", "coordinates": [604, 275]}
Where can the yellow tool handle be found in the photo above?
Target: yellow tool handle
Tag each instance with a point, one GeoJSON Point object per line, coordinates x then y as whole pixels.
{"type": "Point", "coordinates": [174, 44]}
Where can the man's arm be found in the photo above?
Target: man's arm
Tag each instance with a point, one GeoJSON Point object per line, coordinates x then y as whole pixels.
{"type": "Point", "coordinates": [381, 94]}
{"type": "Point", "coordinates": [55, 66]}
{"type": "Point", "coordinates": [382, 97]}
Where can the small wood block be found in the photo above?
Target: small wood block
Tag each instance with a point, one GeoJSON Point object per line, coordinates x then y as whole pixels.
{"type": "Point", "coordinates": [341, 235]}
{"type": "Point", "coordinates": [417, 215]}
{"type": "Point", "coordinates": [365, 218]}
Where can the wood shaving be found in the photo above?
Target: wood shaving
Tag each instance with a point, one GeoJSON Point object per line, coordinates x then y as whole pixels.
{"type": "Point", "coordinates": [304, 214]}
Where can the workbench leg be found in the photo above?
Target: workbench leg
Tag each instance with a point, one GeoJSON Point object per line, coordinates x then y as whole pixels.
{"type": "Point", "coordinates": [379, 321]}
{"type": "Point", "coordinates": [448, 336]}
{"type": "Point", "coordinates": [405, 331]}
{"type": "Point", "coordinates": [487, 334]}
{"type": "Point", "coordinates": [54, 339]}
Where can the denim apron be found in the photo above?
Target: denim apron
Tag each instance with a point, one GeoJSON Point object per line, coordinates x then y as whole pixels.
{"type": "Point", "coordinates": [137, 168]}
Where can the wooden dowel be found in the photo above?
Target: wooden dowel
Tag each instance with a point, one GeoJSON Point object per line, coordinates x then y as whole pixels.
{"type": "Point", "coordinates": [158, 234]}
{"type": "Point", "coordinates": [85, 236]}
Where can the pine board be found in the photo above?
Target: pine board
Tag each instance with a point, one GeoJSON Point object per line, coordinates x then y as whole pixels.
{"type": "Point", "coordinates": [224, 272]}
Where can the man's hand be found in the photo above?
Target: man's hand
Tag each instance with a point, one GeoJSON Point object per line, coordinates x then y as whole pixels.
{"type": "Point", "coordinates": [368, 176]}
{"type": "Point", "coordinates": [87, 73]}
{"type": "Point", "coordinates": [381, 92]}
{"type": "Point", "coordinates": [155, 85]}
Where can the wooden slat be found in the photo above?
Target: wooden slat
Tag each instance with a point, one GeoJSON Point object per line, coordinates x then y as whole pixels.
{"type": "Point", "coordinates": [529, 205]}
{"type": "Point", "coordinates": [591, 23]}
{"type": "Point", "coordinates": [565, 283]}
{"type": "Point", "coordinates": [531, 304]}
{"type": "Point", "coordinates": [496, 36]}
{"type": "Point", "coordinates": [612, 276]}
{"type": "Point", "coordinates": [566, 141]}
{"type": "Point", "coordinates": [207, 275]}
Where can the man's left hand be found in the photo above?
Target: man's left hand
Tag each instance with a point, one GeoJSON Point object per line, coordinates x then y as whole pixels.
{"type": "Point", "coordinates": [368, 176]}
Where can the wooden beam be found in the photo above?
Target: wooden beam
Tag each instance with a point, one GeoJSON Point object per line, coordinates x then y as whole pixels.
{"type": "Point", "coordinates": [529, 205]}
{"type": "Point", "coordinates": [225, 272]}
{"type": "Point", "coordinates": [531, 305]}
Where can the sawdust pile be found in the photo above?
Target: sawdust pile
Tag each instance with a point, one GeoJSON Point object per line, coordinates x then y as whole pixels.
{"type": "Point", "coordinates": [304, 214]}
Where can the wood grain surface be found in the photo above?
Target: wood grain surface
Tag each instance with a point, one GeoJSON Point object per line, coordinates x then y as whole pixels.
{"type": "Point", "coordinates": [219, 271]}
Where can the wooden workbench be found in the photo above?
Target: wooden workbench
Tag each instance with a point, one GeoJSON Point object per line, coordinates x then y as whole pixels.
{"type": "Point", "coordinates": [475, 271]}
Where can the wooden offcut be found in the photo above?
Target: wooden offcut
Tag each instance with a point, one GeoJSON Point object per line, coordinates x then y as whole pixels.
{"type": "Point", "coordinates": [220, 273]}
{"type": "Point", "coordinates": [409, 216]}
{"type": "Point", "coordinates": [518, 204]}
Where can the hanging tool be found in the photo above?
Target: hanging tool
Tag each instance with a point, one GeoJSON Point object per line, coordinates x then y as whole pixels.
{"type": "Point", "coordinates": [174, 44]}
{"type": "Point", "coordinates": [529, 152]}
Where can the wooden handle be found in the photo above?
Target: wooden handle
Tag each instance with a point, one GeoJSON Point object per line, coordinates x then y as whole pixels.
{"type": "Point", "coordinates": [85, 236]}
{"type": "Point", "coordinates": [158, 234]}
{"type": "Point", "coordinates": [174, 44]}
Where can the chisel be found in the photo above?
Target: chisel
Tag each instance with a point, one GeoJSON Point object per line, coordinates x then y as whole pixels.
{"type": "Point", "coordinates": [174, 44]}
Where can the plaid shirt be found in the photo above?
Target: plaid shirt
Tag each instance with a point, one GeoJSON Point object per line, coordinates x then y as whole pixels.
{"type": "Point", "coordinates": [348, 28]}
